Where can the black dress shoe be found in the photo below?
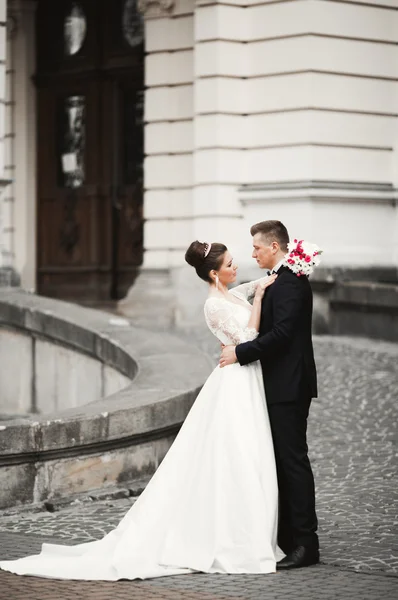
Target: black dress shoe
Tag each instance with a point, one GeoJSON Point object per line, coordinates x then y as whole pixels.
{"type": "Point", "coordinates": [299, 557]}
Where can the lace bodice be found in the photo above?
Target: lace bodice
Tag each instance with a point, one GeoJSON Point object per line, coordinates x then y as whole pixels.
{"type": "Point", "coordinates": [227, 319]}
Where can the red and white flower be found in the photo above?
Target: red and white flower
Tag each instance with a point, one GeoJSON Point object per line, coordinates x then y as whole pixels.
{"type": "Point", "coordinates": [302, 257]}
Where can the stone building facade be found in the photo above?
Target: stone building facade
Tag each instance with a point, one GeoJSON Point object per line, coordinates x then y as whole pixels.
{"type": "Point", "coordinates": [253, 109]}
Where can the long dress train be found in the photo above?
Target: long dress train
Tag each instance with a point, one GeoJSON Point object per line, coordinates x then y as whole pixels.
{"type": "Point", "coordinates": [212, 504]}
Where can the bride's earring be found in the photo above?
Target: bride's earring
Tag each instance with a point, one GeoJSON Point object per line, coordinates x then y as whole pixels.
{"type": "Point", "coordinates": [217, 282]}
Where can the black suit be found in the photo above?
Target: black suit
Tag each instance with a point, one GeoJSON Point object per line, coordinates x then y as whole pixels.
{"type": "Point", "coordinates": [284, 348]}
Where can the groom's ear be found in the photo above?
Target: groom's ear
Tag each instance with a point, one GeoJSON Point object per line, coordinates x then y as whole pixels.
{"type": "Point", "coordinates": [275, 246]}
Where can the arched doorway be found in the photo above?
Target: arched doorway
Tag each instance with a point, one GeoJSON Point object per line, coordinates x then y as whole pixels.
{"type": "Point", "coordinates": [89, 80]}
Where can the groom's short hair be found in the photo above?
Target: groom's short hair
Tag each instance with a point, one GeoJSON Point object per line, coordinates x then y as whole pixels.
{"type": "Point", "coordinates": [272, 231]}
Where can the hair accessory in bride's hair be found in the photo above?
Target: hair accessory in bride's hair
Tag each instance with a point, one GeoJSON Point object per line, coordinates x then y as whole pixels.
{"type": "Point", "coordinates": [208, 248]}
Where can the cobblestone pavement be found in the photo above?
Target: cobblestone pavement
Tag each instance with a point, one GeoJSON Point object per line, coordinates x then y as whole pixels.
{"type": "Point", "coordinates": [313, 583]}
{"type": "Point", "coordinates": [353, 446]}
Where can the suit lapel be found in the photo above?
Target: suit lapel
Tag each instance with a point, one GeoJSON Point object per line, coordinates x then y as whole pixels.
{"type": "Point", "coordinates": [266, 313]}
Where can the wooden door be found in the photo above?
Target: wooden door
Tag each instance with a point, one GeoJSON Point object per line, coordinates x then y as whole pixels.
{"type": "Point", "coordinates": [90, 149]}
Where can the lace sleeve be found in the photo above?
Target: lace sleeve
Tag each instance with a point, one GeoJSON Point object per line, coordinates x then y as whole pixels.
{"type": "Point", "coordinates": [223, 324]}
{"type": "Point", "coordinates": [247, 290]}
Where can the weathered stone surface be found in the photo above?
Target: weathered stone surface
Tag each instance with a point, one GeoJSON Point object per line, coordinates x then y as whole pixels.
{"type": "Point", "coordinates": [15, 372]}
{"type": "Point", "coordinates": [17, 484]}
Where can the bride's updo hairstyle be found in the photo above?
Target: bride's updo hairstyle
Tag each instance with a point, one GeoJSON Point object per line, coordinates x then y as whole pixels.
{"type": "Point", "coordinates": [204, 260]}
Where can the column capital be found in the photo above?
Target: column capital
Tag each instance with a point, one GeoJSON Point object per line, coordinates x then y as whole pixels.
{"type": "Point", "coordinates": [156, 8]}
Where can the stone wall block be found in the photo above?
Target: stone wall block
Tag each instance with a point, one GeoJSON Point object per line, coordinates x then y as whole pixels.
{"type": "Point", "coordinates": [169, 103]}
{"type": "Point", "coordinates": [169, 68]}
{"type": "Point", "coordinates": [17, 484]}
{"type": "Point", "coordinates": [16, 372]}
{"type": "Point", "coordinates": [218, 94]}
{"type": "Point", "coordinates": [225, 131]}
{"type": "Point", "coordinates": [168, 204]}
{"type": "Point", "coordinates": [221, 22]}
{"type": "Point", "coordinates": [168, 34]}
{"type": "Point", "coordinates": [228, 58]}
{"type": "Point", "coordinates": [168, 171]}
{"type": "Point", "coordinates": [169, 138]}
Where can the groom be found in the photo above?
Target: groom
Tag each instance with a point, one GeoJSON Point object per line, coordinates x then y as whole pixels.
{"type": "Point", "coordinates": [284, 348]}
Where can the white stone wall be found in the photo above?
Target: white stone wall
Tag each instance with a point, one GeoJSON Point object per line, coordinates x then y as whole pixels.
{"type": "Point", "coordinates": [245, 98]}
{"type": "Point", "coordinates": [299, 106]}
{"type": "Point", "coordinates": [341, 126]}
{"type": "Point", "coordinates": [169, 112]}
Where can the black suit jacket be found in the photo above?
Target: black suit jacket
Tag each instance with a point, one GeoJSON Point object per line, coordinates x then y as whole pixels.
{"type": "Point", "coordinates": [284, 344]}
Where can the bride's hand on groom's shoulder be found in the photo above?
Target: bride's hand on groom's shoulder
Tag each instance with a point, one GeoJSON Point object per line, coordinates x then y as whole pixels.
{"type": "Point", "coordinates": [263, 285]}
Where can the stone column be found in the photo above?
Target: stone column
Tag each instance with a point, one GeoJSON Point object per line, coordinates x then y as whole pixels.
{"type": "Point", "coordinates": [21, 140]}
{"type": "Point", "coordinates": [168, 129]}
{"type": "Point", "coordinates": [168, 163]}
{"type": "Point", "coordinates": [220, 133]}
{"type": "Point", "coordinates": [5, 263]}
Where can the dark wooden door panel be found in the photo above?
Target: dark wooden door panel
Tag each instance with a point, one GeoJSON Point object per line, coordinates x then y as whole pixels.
{"type": "Point", "coordinates": [90, 154]}
{"type": "Point", "coordinates": [72, 238]}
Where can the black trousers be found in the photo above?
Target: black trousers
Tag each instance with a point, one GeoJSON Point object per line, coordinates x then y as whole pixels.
{"type": "Point", "coordinates": [297, 517]}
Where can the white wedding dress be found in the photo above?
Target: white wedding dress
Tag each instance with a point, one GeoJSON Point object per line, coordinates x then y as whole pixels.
{"type": "Point", "coordinates": [212, 505]}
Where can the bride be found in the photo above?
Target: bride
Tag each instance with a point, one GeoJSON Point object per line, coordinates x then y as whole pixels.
{"type": "Point", "coordinates": [212, 505]}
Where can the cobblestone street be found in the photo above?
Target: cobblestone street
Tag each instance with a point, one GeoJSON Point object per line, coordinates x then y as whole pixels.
{"type": "Point", "coordinates": [353, 446]}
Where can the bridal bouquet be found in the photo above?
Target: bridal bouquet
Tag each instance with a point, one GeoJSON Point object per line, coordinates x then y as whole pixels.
{"type": "Point", "coordinates": [302, 257]}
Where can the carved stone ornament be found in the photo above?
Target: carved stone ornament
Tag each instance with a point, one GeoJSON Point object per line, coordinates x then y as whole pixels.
{"type": "Point", "coordinates": [155, 8]}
